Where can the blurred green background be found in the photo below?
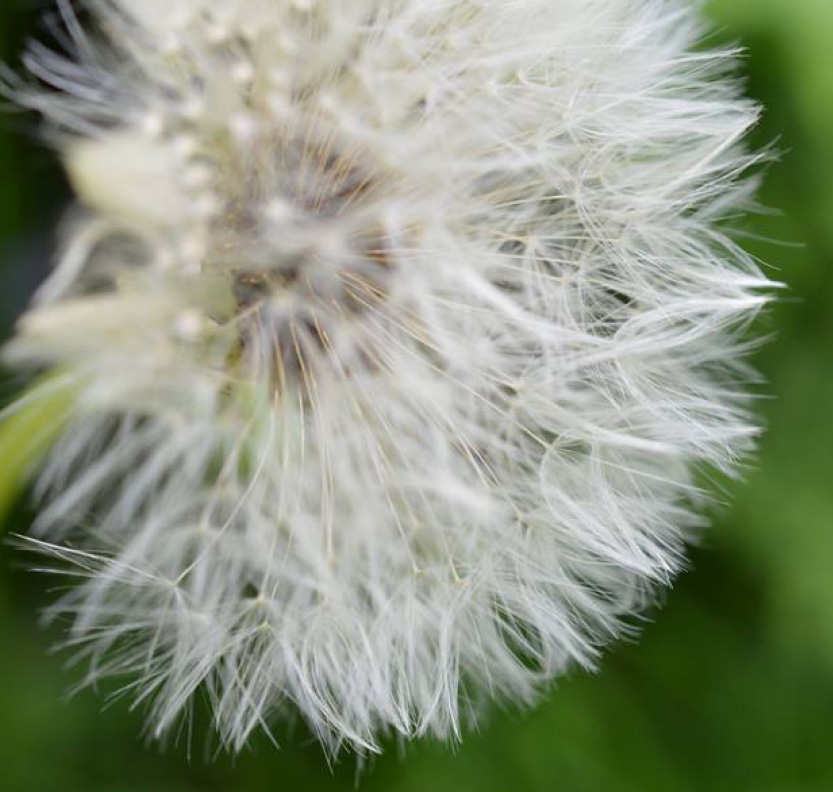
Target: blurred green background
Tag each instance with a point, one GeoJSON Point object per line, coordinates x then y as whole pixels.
{"type": "Point", "coordinates": [731, 685]}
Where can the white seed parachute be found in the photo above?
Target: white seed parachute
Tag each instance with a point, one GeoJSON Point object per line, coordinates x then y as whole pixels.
{"type": "Point", "coordinates": [396, 331]}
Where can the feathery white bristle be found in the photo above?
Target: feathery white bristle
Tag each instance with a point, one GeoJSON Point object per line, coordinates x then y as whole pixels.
{"type": "Point", "coordinates": [398, 328]}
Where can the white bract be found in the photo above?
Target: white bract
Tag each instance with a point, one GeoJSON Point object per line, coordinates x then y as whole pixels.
{"type": "Point", "coordinates": [397, 331]}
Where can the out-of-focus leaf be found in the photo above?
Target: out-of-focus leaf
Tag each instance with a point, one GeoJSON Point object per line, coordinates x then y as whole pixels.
{"type": "Point", "coordinates": [27, 430]}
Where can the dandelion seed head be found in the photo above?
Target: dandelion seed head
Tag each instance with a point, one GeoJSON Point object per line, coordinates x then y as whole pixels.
{"type": "Point", "coordinates": [398, 330]}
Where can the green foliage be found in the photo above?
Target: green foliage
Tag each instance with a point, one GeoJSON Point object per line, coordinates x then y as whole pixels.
{"type": "Point", "coordinates": [27, 433]}
{"type": "Point", "coordinates": [731, 689]}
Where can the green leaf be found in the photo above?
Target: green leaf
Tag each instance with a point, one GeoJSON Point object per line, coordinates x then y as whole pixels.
{"type": "Point", "coordinates": [28, 428]}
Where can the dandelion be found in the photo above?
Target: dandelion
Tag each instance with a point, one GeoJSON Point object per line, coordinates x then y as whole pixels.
{"type": "Point", "coordinates": [396, 333]}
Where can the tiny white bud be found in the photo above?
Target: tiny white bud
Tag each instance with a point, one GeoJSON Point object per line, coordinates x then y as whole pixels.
{"type": "Point", "coordinates": [244, 127]}
{"type": "Point", "coordinates": [243, 72]}
{"type": "Point", "coordinates": [189, 325]}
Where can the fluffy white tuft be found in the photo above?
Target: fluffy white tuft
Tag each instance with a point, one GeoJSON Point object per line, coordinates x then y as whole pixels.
{"type": "Point", "coordinates": [397, 330]}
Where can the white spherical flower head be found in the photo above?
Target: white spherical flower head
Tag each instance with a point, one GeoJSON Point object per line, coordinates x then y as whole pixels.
{"type": "Point", "coordinates": [397, 330]}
